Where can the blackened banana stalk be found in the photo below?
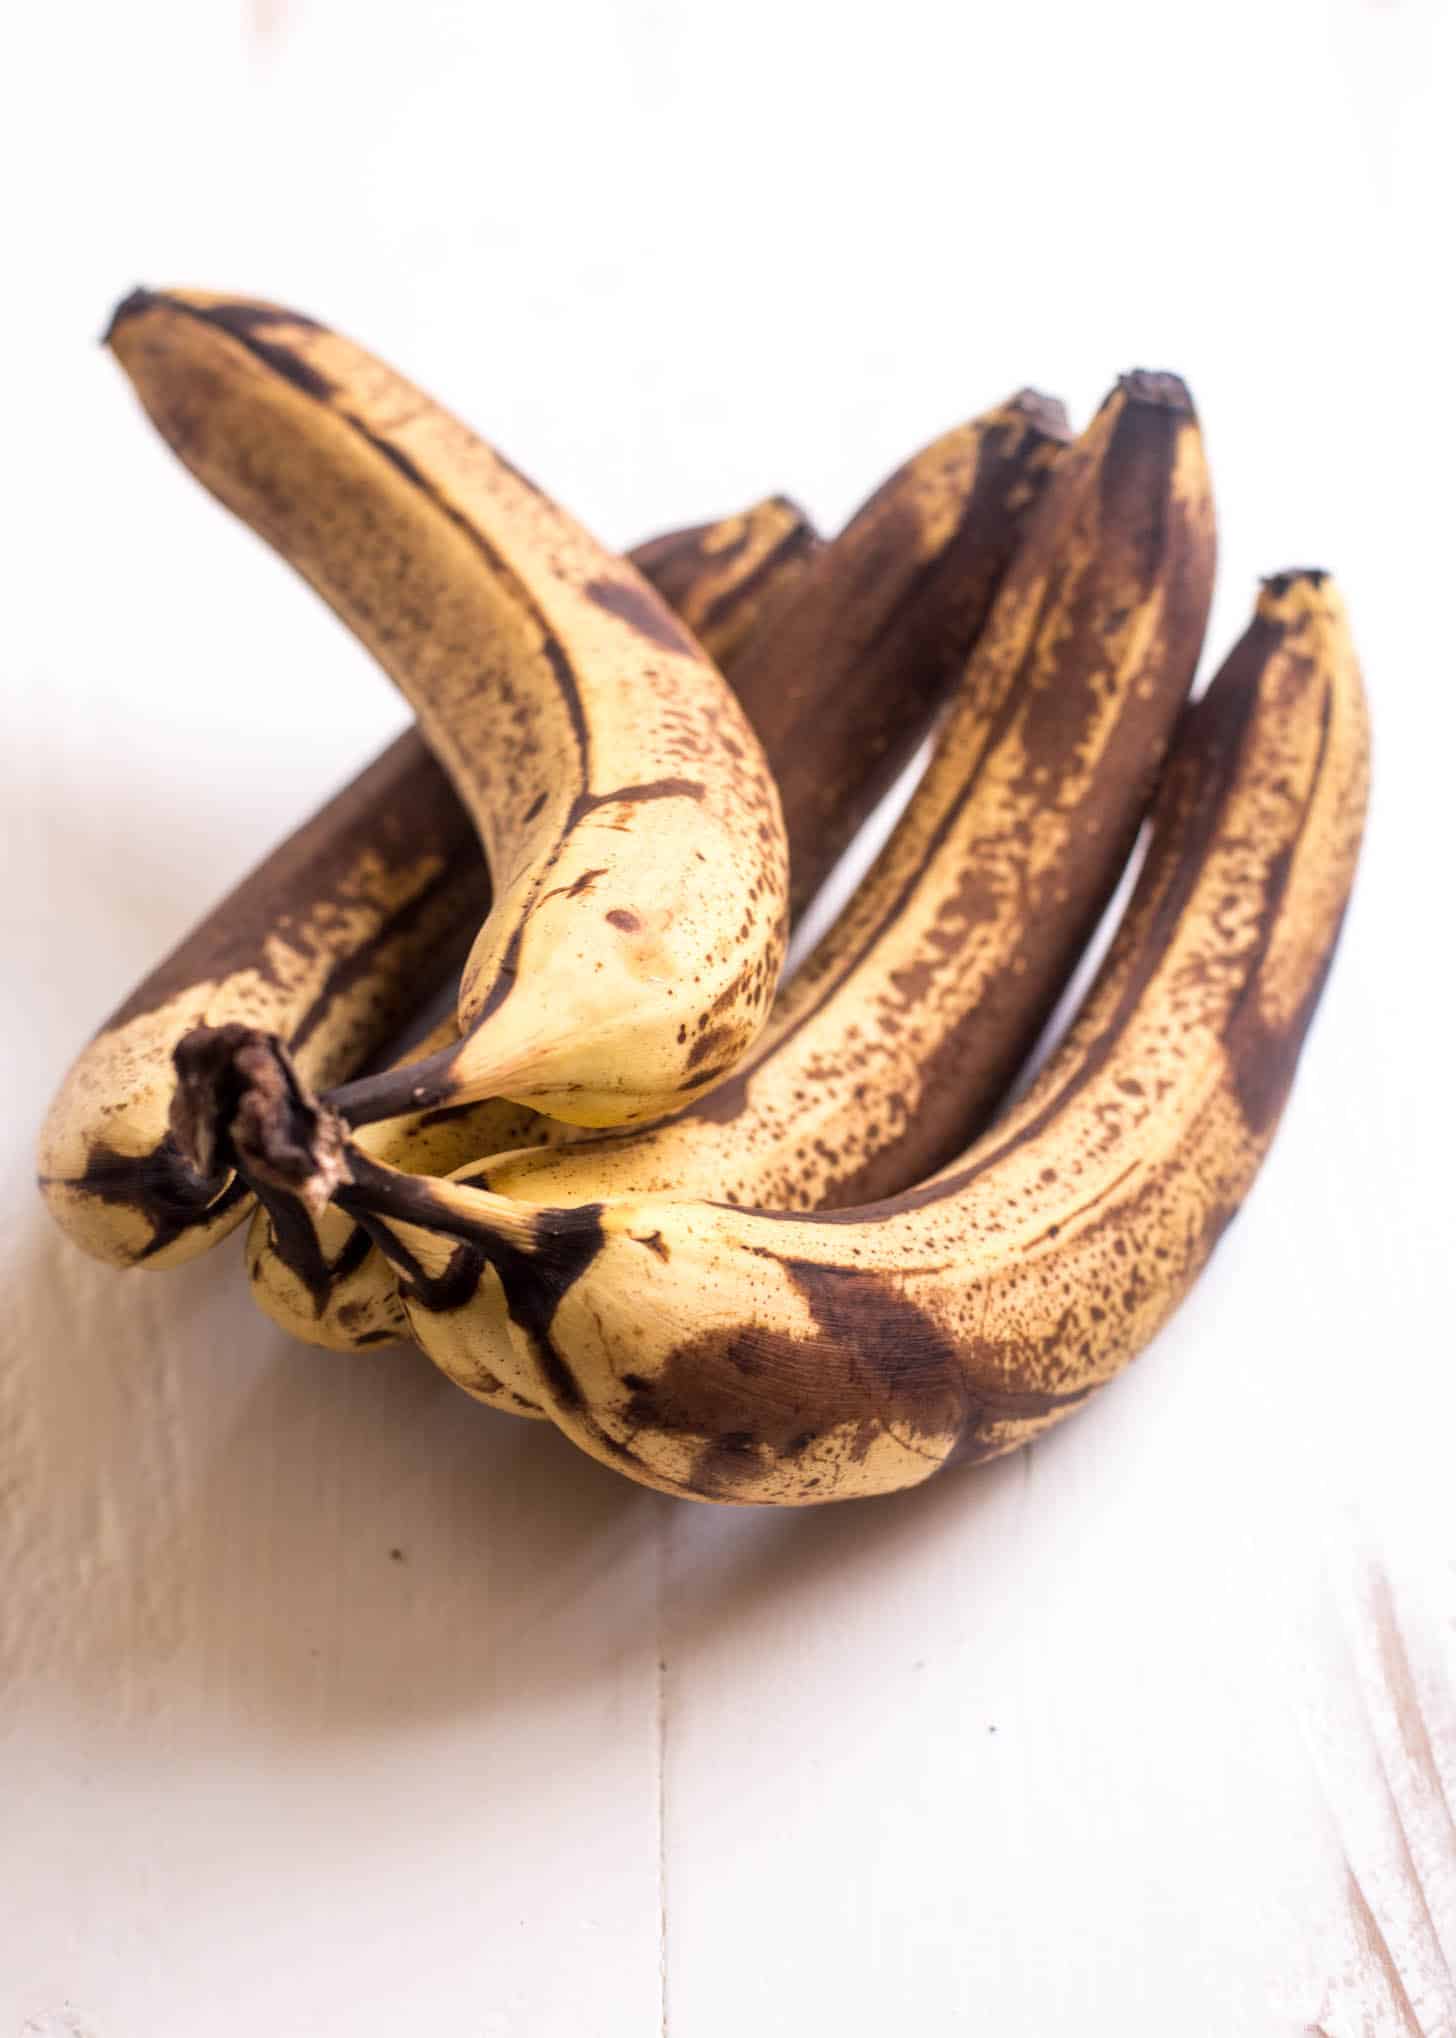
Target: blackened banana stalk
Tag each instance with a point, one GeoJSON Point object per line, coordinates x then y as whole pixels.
{"type": "Point", "coordinates": [627, 812]}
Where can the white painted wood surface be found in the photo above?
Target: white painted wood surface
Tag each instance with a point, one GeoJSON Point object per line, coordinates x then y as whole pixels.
{"type": "Point", "coordinates": [335, 1705]}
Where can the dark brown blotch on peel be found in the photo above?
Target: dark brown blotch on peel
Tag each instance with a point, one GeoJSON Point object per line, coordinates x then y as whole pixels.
{"type": "Point", "coordinates": [876, 633]}
{"type": "Point", "coordinates": [703, 1076]}
{"type": "Point", "coordinates": [244, 321]}
{"type": "Point", "coordinates": [873, 1359]}
{"type": "Point", "coordinates": [644, 611]}
{"type": "Point", "coordinates": [636, 795]}
{"type": "Point", "coordinates": [246, 316]}
{"type": "Point", "coordinates": [400, 461]}
{"type": "Point", "coordinates": [712, 1042]}
{"type": "Point", "coordinates": [248, 323]}
{"type": "Point", "coordinates": [1264, 1058]}
{"type": "Point", "coordinates": [160, 1186]}
{"type": "Point", "coordinates": [236, 315]}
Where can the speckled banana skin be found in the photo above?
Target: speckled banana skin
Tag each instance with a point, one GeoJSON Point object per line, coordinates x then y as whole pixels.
{"type": "Point", "coordinates": [330, 943]}
{"type": "Point", "coordinates": [892, 1047]}
{"type": "Point", "coordinates": [869, 636]}
{"type": "Point", "coordinates": [857, 663]}
{"type": "Point", "coordinates": [626, 811]}
{"type": "Point", "coordinates": [753, 1356]}
{"type": "Point", "coordinates": [317, 1275]}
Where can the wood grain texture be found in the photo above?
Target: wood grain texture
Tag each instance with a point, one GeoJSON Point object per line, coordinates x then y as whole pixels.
{"type": "Point", "coordinates": [258, 1775]}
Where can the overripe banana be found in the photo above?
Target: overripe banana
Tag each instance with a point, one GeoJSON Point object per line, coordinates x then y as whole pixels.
{"type": "Point", "coordinates": [891, 1049]}
{"type": "Point", "coordinates": [897, 600]}
{"type": "Point", "coordinates": [628, 817]}
{"type": "Point", "coordinates": [752, 1356]}
{"type": "Point", "coordinates": [330, 941]}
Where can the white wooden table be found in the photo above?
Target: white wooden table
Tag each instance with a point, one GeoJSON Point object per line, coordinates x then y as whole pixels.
{"type": "Point", "coordinates": [335, 1705]}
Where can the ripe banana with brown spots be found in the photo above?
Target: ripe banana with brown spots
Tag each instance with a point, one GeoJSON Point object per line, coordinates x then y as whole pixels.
{"type": "Point", "coordinates": [892, 1048]}
{"type": "Point", "coordinates": [628, 817]}
{"type": "Point", "coordinates": [315, 1274]}
{"type": "Point", "coordinates": [886, 615]}
{"type": "Point", "coordinates": [331, 941]}
{"type": "Point", "coordinates": [756, 1356]}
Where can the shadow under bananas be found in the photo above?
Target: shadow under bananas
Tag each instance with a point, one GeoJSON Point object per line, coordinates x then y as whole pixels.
{"type": "Point", "coordinates": [197, 1516]}
{"type": "Point", "coordinates": [203, 1518]}
{"type": "Point", "coordinates": [385, 1550]}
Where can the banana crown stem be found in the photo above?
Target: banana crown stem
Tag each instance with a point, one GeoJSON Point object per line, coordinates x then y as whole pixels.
{"type": "Point", "coordinates": [391, 1093]}
{"type": "Point", "coordinates": [474, 1216]}
{"type": "Point", "coordinates": [240, 1101]}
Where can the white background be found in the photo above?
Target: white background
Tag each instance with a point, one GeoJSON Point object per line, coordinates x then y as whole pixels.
{"type": "Point", "coordinates": [1146, 1730]}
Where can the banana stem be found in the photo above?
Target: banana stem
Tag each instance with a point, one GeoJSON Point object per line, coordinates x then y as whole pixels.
{"type": "Point", "coordinates": [398, 1092]}
{"type": "Point", "coordinates": [474, 1216]}
{"type": "Point", "coordinates": [240, 1102]}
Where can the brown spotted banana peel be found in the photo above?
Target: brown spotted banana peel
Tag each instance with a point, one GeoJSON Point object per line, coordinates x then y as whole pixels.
{"type": "Point", "coordinates": [859, 661]}
{"type": "Point", "coordinates": [331, 941]}
{"type": "Point", "coordinates": [1008, 455]}
{"type": "Point", "coordinates": [752, 1356]}
{"type": "Point", "coordinates": [891, 1049]}
{"type": "Point", "coordinates": [315, 1274]}
{"type": "Point", "coordinates": [628, 816]}
{"type": "Point", "coordinates": [886, 615]}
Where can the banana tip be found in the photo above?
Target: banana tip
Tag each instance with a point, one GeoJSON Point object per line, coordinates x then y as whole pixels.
{"type": "Point", "coordinates": [1277, 584]}
{"type": "Point", "coordinates": [1048, 413]}
{"type": "Point", "coordinates": [131, 306]}
{"type": "Point", "coordinates": [1157, 389]}
{"type": "Point", "coordinates": [1307, 592]}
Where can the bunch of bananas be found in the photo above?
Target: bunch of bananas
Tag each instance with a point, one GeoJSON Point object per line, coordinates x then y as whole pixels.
{"type": "Point", "coordinates": [743, 1243]}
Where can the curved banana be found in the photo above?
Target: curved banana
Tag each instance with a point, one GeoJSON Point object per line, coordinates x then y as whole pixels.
{"type": "Point", "coordinates": [895, 602]}
{"type": "Point", "coordinates": [330, 941]}
{"type": "Point", "coordinates": [315, 1274]}
{"type": "Point", "coordinates": [890, 1050]}
{"type": "Point", "coordinates": [628, 817]}
{"type": "Point", "coordinates": [753, 1356]}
